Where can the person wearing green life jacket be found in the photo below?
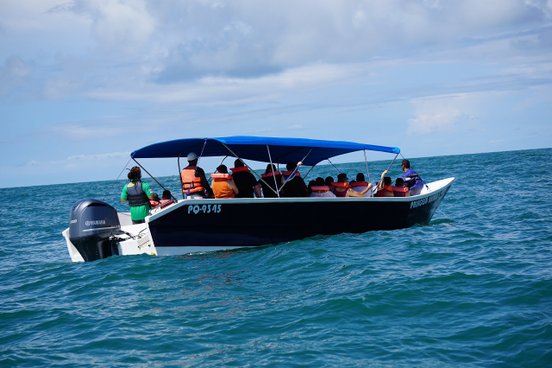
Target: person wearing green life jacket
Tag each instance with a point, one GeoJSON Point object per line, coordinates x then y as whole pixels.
{"type": "Point", "coordinates": [138, 195]}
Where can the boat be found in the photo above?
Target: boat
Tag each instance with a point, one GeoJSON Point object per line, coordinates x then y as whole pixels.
{"type": "Point", "coordinates": [191, 225]}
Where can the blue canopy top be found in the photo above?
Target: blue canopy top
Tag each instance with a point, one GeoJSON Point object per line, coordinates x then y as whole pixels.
{"type": "Point", "coordinates": [282, 150]}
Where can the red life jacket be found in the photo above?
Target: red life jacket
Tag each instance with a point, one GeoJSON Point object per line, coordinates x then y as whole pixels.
{"type": "Point", "coordinates": [385, 189]}
{"type": "Point", "coordinates": [359, 184]}
{"type": "Point", "coordinates": [320, 188]}
{"type": "Point", "coordinates": [400, 191]}
{"type": "Point", "coordinates": [239, 169]}
{"type": "Point", "coordinates": [339, 185]}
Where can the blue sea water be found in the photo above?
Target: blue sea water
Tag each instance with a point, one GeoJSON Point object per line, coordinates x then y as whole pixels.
{"type": "Point", "coordinates": [471, 289]}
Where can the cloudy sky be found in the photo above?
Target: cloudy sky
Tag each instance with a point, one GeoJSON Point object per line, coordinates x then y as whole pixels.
{"type": "Point", "coordinates": [84, 83]}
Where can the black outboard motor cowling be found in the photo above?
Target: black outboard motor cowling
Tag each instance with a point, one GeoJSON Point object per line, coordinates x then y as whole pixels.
{"type": "Point", "coordinates": [92, 224]}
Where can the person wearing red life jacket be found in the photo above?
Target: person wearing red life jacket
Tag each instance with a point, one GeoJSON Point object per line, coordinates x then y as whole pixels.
{"type": "Point", "coordinates": [194, 182]}
{"type": "Point", "coordinates": [166, 199]}
{"type": "Point", "coordinates": [400, 189]}
{"type": "Point", "coordinates": [247, 185]}
{"type": "Point", "coordinates": [223, 185]}
{"type": "Point", "coordinates": [343, 189]}
{"type": "Point", "coordinates": [271, 181]}
{"type": "Point", "coordinates": [385, 188]}
{"type": "Point", "coordinates": [360, 184]}
{"type": "Point", "coordinates": [294, 184]}
{"type": "Point", "coordinates": [318, 188]}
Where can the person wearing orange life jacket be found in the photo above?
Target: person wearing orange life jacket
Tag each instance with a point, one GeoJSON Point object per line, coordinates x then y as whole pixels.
{"type": "Point", "coordinates": [245, 181]}
{"type": "Point", "coordinates": [294, 184]}
{"type": "Point", "coordinates": [343, 189]}
{"type": "Point", "coordinates": [385, 188]}
{"type": "Point", "coordinates": [194, 183]}
{"type": "Point", "coordinates": [223, 185]}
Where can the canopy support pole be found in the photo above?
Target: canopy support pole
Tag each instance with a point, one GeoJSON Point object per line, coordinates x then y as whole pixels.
{"type": "Point", "coordinates": [151, 176]}
{"type": "Point", "coordinates": [272, 168]}
{"type": "Point", "coordinates": [366, 163]}
{"type": "Point", "coordinates": [295, 170]}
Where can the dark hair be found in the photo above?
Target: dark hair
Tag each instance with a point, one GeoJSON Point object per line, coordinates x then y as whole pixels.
{"type": "Point", "coordinates": [319, 181]}
{"type": "Point", "coordinates": [291, 166]}
{"type": "Point", "coordinates": [387, 180]}
{"type": "Point", "coordinates": [360, 177]}
{"type": "Point", "coordinates": [406, 164]}
{"type": "Point", "coordinates": [399, 182]}
{"type": "Point", "coordinates": [341, 178]}
{"type": "Point", "coordinates": [239, 163]}
{"type": "Point", "coordinates": [222, 169]}
{"type": "Point", "coordinates": [270, 168]}
{"type": "Point", "coordinates": [166, 194]}
{"type": "Point", "coordinates": [134, 174]}
{"type": "Point", "coordinates": [329, 180]}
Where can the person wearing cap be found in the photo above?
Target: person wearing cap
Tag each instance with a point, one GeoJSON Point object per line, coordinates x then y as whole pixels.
{"type": "Point", "coordinates": [194, 182]}
{"type": "Point", "coordinates": [138, 195]}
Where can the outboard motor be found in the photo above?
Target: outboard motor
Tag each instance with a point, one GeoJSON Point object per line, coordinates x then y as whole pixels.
{"type": "Point", "coordinates": [92, 226]}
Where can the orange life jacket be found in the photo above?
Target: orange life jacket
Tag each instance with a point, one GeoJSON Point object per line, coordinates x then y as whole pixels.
{"type": "Point", "coordinates": [220, 186]}
{"type": "Point", "coordinates": [190, 182]}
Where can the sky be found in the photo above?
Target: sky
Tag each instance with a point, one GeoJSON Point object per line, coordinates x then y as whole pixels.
{"type": "Point", "coordinates": [84, 83]}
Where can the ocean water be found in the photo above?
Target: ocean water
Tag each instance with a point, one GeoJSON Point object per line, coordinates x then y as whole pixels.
{"type": "Point", "coordinates": [471, 289]}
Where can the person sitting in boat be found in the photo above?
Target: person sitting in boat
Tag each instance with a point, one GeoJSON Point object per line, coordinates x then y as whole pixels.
{"type": "Point", "coordinates": [318, 188]}
{"type": "Point", "coordinates": [166, 199]}
{"type": "Point", "coordinates": [385, 188]}
{"type": "Point", "coordinates": [411, 178]}
{"type": "Point", "coordinates": [270, 181]}
{"type": "Point", "coordinates": [293, 183]}
{"type": "Point", "coordinates": [360, 184]}
{"type": "Point", "coordinates": [399, 189]}
{"type": "Point", "coordinates": [245, 181]}
{"type": "Point", "coordinates": [343, 189]}
{"type": "Point", "coordinates": [328, 181]}
{"type": "Point", "coordinates": [138, 195]}
{"type": "Point", "coordinates": [223, 184]}
{"type": "Point", "coordinates": [154, 201]}
{"type": "Point", "coordinates": [194, 182]}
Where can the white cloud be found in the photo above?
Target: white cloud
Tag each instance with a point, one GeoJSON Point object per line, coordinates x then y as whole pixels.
{"type": "Point", "coordinates": [441, 114]}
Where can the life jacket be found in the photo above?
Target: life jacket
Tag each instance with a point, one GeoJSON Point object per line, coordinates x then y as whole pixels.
{"type": "Point", "coordinates": [270, 174]}
{"type": "Point", "coordinates": [339, 185]}
{"type": "Point", "coordinates": [136, 195]}
{"type": "Point", "coordinates": [239, 169]}
{"type": "Point", "coordinates": [190, 182]}
{"type": "Point", "coordinates": [165, 202]}
{"type": "Point", "coordinates": [385, 189]}
{"type": "Point", "coordinates": [220, 186]}
{"type": "Point", "coordinates": [359, 184]}
{"type": "Point", "coordinates": [320, 188]}
{"type": "Point", "coordinates": [153, 203]}
{"type": "Point", "coordinates": [400, 191]}
{"type": "Point", "coordinates": [287, 174]}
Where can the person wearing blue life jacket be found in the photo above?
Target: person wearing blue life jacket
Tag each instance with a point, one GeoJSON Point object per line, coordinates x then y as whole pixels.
{"type": "Point", "coordinates": [138, 195]}
{"type": "Point", "coordinates": [411, 178]}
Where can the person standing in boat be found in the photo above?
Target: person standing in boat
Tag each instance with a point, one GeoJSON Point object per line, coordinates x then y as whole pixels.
{"type": "Point", "coordinates": [411, 178]}
{"type": "Point", "coordinates": [138, 195]}
{"type": "Point", "coordinates": [245, 181]}
{"type": "Point", "coordinates": [194, 182]}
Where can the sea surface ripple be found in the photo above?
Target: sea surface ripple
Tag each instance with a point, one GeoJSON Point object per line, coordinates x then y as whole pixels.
{"type": "Point", "coordinates": [471, 289]}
